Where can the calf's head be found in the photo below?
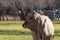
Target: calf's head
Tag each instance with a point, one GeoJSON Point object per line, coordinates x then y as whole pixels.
{"type": "Point", "coordinates": [31, 22]}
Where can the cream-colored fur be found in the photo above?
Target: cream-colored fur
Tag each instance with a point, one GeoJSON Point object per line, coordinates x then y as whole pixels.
{"type": "Point", "coordinates": [48, 30]}
{"type": "Point", "coordinates": [42, 27]}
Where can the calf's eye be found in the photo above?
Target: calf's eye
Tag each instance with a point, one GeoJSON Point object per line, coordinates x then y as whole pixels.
{"type": "Point", "coordinates": [31, 18]}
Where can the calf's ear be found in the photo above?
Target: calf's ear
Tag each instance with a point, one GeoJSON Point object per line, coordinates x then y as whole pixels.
{"type": "Point", "coordinates": [35, 15]}
{"type": "Point", "coordinates": [34, 12]}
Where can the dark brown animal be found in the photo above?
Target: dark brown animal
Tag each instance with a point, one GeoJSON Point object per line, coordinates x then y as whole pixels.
{"type": "Point", "coordinates": [40, 25]}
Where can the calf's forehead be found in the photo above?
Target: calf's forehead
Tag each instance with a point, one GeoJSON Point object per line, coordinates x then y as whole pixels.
{"type": "Point", "coordinates": [28, 14]}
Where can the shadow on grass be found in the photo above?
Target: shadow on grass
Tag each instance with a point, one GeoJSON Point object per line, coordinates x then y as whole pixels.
{"type": "Point", "coordinates": [57, 33]}
{"type": "Point", "coordinates": [9, 23]}
{"type": "Point", "coordinates": [19, 32]}
{"type": "Point", "coordinates": [14, 32]}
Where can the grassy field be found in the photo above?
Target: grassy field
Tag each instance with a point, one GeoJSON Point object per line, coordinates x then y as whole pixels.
{"type": "Point", "coordinates": [13, 30]}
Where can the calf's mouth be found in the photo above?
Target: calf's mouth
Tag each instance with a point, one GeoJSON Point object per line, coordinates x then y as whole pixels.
{"type": "Point", "coordinates": [25, 25]}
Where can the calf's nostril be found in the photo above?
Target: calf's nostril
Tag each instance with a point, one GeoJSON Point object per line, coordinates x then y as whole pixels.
{"type": "Point", "coordinates": [23, 25]}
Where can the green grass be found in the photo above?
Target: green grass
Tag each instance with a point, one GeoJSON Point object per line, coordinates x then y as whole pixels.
{"type": "Point", "coordinates": [57, 32]}
{"type": "Point", "coordinates": [13, 30]}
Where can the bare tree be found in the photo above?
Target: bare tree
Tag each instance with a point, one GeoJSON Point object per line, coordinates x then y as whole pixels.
{"type": "Point", "coordinates": [12, 6]}
{"type": "Point", "coordinates": [25, 5]}
{"type": "Point", "coordinates": [7, 7]}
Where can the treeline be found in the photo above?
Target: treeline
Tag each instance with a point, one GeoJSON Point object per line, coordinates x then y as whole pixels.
{"type": "Point", "coordinates": [12, 7]}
